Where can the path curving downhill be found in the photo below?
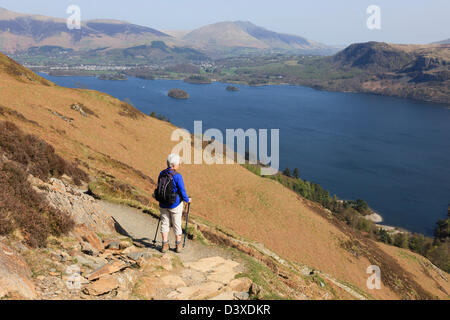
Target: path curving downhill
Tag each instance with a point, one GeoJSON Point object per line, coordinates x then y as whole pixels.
{"type": "Point", "coordinates": [141, 227]}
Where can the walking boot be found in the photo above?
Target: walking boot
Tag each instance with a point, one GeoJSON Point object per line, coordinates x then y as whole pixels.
{"type": "Point", "coordinates": [179, 247]}
{"type": "Point", "coordinates": [165, 247]}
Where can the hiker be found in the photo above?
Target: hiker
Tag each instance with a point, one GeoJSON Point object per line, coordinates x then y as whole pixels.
{"type": "Point", "coordinates": [171, 201]}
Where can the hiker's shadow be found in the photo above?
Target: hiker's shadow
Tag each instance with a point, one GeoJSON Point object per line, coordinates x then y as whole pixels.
{"type": "Point", "coordinates": [144, 242]}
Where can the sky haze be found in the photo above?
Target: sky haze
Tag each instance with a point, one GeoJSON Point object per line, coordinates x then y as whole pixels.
{"type": "Point", "coordinates": [328, 21]}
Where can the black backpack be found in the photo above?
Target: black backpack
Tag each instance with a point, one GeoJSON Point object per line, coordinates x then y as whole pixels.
{"type": "Point", "coordinates": [164, 193]}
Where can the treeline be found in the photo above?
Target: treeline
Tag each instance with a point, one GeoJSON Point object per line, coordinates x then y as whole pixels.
{"type": "Point", "coordinates": [159, 116]}
{"type": "Point", "coordinates": [436, 249]}
{"type": "Point", "coordinates": [198, 79]}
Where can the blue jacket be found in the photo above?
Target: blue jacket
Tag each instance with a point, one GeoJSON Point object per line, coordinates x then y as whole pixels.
{"type": "Point", "coordinates": [179, 189]}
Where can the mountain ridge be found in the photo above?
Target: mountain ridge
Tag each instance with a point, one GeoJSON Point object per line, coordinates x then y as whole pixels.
{"type": "Point", "coordinates": [19, 32]}
{"type": "Point", "coordinates": [446, 41]}
{"type": "Point", "coordinates": [244, 34]}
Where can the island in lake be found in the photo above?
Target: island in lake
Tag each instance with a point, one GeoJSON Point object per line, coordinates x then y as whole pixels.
{"type": "Point", "coordinates": [232, 88]}
{"type": "Point", "coordinates": [178, 94]}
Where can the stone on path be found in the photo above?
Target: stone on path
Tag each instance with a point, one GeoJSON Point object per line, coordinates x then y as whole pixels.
{"type": "Point", "coordinates": [227, 295]}
{"type": "Point", "coordinates": [198, 292]}
{"type": "Point", "coordinates": [240, 285]}
{"type": "Point", "coordinates": [89, 236]}
{"type": "Point", "coordinates": [173, 281]}
{"type": "Point", "coordinates": [124, 244]}
{"type": "Point", "coordinates": [148, 287]}
{"type": "Point", "coordinates": [104, 285]}
{"type": "Point", "coordinates": [112, 245]}
{"type": "Point", "coordinates": [110, 268]}
{"type": "Point", "coordinates": [217, 268]}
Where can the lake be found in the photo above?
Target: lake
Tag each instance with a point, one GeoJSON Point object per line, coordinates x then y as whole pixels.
{"type": "Point", "coordinates": [393, 153]}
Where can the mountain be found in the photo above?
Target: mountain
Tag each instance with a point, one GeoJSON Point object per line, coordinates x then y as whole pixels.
{"type": "Point", "coordinates": [408, 71]}
{"type": "Point", "coordinates": [389, 56]}
{"type": "Point", "coordinates": [374, 55]}
{"type": "Point", "coordinates": [177, 33]}
{"type": "Point", "coordinates": [292, 247]}
{"type": "Point", "coordinates": [19, 32]}
{"type": "Point", "coordinates": [245, 35]}
{"type": "Point", "coordinates": [446, 41]}
{"type": "Point", "coordinates": [158, 52]}
{"type": "Point", "coordinates": [38, 38]}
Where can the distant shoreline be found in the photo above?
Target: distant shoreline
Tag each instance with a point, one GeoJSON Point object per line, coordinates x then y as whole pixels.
{"type": "Point", "coordinates": [269, 83]}
{"type": "Point", "coordinates": [376, 218]}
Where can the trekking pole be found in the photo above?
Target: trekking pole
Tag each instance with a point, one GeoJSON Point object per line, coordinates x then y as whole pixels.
{"type": "Point", "coordinates": [156, 233]}
{"type": "Point", "coordinates": [187, 220]}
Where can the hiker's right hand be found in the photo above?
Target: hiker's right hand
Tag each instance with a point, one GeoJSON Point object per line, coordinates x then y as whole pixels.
{"type": "Point", "coordinates": [190, 200]}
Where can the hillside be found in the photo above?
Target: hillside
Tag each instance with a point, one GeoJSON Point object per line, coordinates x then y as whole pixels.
{"type": "Point", "coordinates": [243, 35]}
{"type": "Point", "coordinates": [20, 32]}
{"type": "Point", "coordinates": [123, 151]}
{"type": "Point", "coordinates": [411, 71]}
{"type": "Point", "coordinates": [419, 72]}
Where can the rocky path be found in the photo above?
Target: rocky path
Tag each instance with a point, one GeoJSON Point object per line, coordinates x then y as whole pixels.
{"type": "Point", "coordinates": [141, 227]}
{"type": "Point", "coordinates": [110, 255]}
{"type": "Point", "coordinates": [199, 272]}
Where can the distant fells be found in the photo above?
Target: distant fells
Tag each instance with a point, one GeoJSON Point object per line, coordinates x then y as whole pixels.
{"type": "Point", "coordinates": [446, 41]}
{"type": "Point", "coordinates": [240, 35]}
{"type": "Point", "coordinates": [409, 71]}
{"type": "Point", "coordinates": [406, 59]}
{"type": "Point", "coordinates": [20, 33]}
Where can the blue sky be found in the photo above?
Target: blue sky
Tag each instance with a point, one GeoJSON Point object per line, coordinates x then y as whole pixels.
{"type": "Point", "coordinates": [328, 21]}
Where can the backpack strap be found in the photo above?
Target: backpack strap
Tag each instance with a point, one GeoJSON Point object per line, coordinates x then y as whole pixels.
{"type": "Point", "coordinates": [172, 172]}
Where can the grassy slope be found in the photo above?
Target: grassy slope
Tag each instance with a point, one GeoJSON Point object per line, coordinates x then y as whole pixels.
{"type": "Point", "coordinates": [229, 196]}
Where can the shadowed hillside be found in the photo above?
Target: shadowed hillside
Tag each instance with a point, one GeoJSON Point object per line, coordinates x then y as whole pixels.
{"type": "Point", "coordinates": [123, 150]}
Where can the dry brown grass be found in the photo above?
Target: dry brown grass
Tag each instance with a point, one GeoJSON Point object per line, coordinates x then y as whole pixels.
{"type": "Point", "coordinates": [23, 209]}
{"type": "Point", "coordinates": [226, 195]}
{"type": "Point", "coordinates": [130, 112]}
{"type": "Point", "coordinates": [37, 156]}
{"type": "Point", "coordinates": [20, 73]}
{"type": "Point", "coordinates": [441, 50]}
